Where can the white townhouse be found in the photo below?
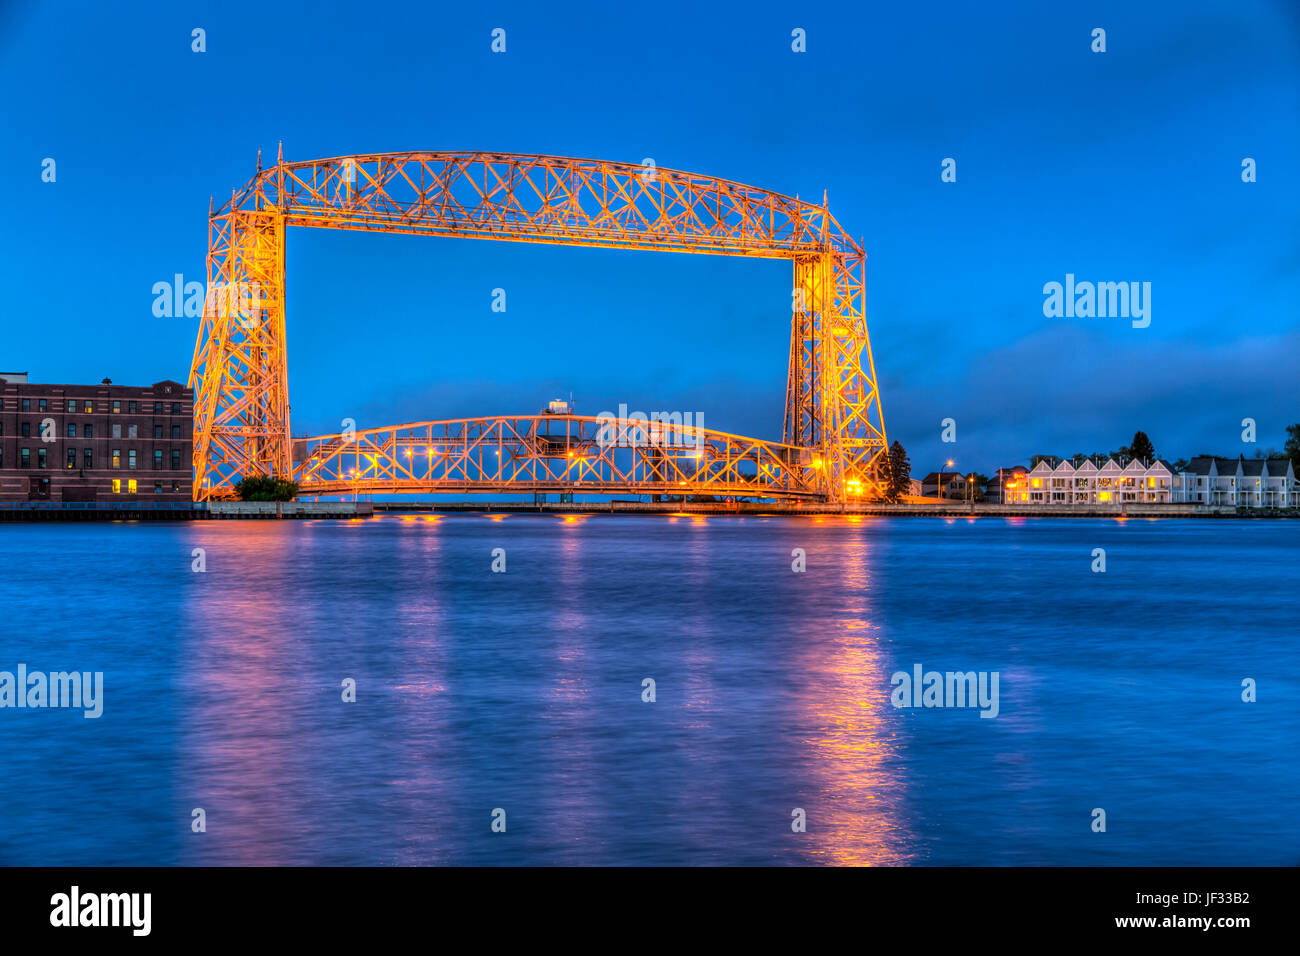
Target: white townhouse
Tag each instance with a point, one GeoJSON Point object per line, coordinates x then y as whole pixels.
{"type": "Point", "coordinates": [1242, 483]}
{"type": "Point", "coordinates": [1089, 483]}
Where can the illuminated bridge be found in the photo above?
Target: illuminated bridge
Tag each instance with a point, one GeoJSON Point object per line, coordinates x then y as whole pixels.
{"type": "Point", "coordinates": [833, 444]}
{"type": "Point", "coordinates": [549, 453]}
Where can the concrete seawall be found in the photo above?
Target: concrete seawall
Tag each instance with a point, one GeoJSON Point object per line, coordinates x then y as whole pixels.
{"type": "Point", "coordinates": [178, 510]}
{"type": "Point", "coordinates": [289, 509]}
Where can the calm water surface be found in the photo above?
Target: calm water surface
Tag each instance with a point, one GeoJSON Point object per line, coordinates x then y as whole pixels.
{"type": "Point", "coordinates": [523, 691]}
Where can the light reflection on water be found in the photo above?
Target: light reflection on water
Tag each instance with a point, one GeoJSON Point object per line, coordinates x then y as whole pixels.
{"type": "Point", "coordinates": [852, 735]}
{"type": "Point", "coordinates": [523, 691]}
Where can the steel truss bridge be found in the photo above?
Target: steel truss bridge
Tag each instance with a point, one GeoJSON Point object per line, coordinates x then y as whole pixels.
{"type": "Point", "coordinates": [549, 453]}
{"type": "Point", "coordinates": [833, 444]}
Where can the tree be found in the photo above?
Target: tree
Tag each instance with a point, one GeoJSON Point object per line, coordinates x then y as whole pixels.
{"type": "Point", "coordinates": [1292, 447]}
{"type": "Point", "coordinates": [266, 488]}
{"type": "Point", "coordinates": [1141, 448]}
{"type": "Point", "coordinates": [900, 473]}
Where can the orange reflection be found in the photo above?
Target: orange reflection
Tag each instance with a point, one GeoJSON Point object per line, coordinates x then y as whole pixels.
{"type": "Point", "coordinates": [855, 800]}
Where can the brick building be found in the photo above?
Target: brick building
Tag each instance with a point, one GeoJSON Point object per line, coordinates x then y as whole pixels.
{"type": "Point", "coordinates": [88, 443]}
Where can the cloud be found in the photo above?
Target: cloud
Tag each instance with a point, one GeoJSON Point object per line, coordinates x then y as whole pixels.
{"type": "Point", "coordinates": [1072, 387]}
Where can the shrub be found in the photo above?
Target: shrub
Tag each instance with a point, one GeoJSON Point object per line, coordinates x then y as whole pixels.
{"type": "Point", "coordinates": [266, 488]}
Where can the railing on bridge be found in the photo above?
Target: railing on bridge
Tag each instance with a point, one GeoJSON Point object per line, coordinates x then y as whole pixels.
{"type": "Point", "coordinates": [553, 453]}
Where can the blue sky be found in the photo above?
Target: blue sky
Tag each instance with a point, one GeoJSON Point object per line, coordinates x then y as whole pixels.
{"type": "Point", "coordinates": [1122, 166]}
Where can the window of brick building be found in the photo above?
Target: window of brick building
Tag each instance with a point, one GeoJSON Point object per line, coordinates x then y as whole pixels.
{"type": "Point", "coordinates": [27, 404]}
{"type": "Point", "coordinates": [24, 458]}
{"type": "Point", "coordinates": [176, 459]}
{"type": "Point", "coordinates": [157, 487]}
{"type": "Point", "coordinates": [157, 459]}
{"type": "Point", "coordinates": [157, 431]}
{"type": "Point", "coordinates": [132, 431]}
{"type": "Point", "coordinates": [88, 460]}
{"type": "Point", "coordinates": [72, 458]}
{"type": "Point", "coordinates": [26, 429]}
{"type": "Point", "coordinates": [117, 458]}
{"type": "Point", "coordinates": [130, 408]}
{"type": "Point", "coordinates": [130, 459]}
{"type": "Point", "coordinates": [72, 429]}
{"type": "Point", "coordinates": [72, 404]}
{"type": "Point", "coordinates": [117, 406]}
{"type": "Point", "coordinates": [89, 430]}
{"type": "Point", "coordinates": [40, 404]}
{"type": "Point", "coordinates": [176, 408]}
{"type": "Point", "coordinates": [176, 431]}
{"type": "Point", "coordinates": [117, 486]}
{"type": "Point", "coordinates": [130, 486]}
{"type": "Point", "coordinates": [117, 431]}
{"type": "Point", "coordinates": [40, 458]}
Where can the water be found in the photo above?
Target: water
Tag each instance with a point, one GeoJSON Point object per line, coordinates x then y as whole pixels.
{"type": "Point", "coordinates": [523, 691]}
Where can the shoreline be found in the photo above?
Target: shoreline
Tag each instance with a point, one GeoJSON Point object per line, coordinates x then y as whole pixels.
{"type": "Point", "coordinates": [347, 510]}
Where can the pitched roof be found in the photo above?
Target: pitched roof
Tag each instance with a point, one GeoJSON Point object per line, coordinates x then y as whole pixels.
{"type": "Point", "coordinates": [932, 476]}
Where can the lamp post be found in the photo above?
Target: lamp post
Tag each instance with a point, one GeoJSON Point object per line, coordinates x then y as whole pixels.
{"type": "Point", "coordinates": [939, 483]}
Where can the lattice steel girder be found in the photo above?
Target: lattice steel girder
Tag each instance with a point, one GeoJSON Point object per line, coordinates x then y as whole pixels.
{"type": "Point", "coordinates": [550, 453]}
{"type": "Point", "coordinates": [242, 412]}
{"type": "Point", "coordinates": [241, 408]}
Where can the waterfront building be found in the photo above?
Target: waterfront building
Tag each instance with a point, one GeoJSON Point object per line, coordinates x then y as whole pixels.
{"type": "Point", "coordinates": [1005, 484]}
{"type": "Point", "coordinates": [1242, 482]}
{"type": "Point", "coordinates": [952, 483]}
{"type": "Point", "coordinates": [95, 443]}
{"type": "Point", "coordinates": [1090, 483]}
